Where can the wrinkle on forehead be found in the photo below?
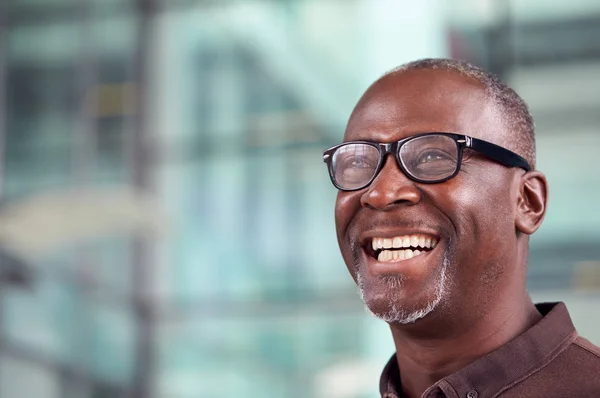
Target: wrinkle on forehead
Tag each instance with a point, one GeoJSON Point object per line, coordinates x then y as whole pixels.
{"type": "Point", "coordinates": [416, 101]}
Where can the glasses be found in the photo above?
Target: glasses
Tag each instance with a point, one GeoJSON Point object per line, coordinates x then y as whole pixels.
{"type": "Point", "coordinates": [428, 158]}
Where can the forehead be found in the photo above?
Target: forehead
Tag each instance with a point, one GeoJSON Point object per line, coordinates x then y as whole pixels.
{"type": "Point", "coordinates": [424, 100]}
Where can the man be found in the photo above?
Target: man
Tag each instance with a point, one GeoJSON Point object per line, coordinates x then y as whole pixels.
{"type": "Point", "coordinates": [438, 194]}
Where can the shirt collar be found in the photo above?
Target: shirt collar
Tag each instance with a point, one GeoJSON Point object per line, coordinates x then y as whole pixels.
{"type": "Point", "coordinates": [509, 364]}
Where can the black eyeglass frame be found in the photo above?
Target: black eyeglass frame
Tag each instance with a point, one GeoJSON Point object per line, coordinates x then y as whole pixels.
{"type": "Point", "coordinates": [495, 152]}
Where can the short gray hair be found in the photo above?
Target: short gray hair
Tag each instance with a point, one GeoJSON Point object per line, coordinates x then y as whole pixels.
{"type": "Point", "coordinates": [514, 108]}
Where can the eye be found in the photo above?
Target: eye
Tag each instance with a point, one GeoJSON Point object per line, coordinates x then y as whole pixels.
{"type": "Point", "coordinates": [358, 162]}
{"type": "Point", "coordinates": [432, 156]}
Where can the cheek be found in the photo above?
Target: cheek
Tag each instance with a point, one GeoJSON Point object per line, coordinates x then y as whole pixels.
{"type": "Point", "coordinates": [489, 200]}
{"type": "Point", "coordinates": [498, 209]}
{"type": "Point", "coordinates": [346, 206]}
{"type": "Point", "coordinates": [482, 213]}
{"type": "Point", "coordinates": [486, 218]}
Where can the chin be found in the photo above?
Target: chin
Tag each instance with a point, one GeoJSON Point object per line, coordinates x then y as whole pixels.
{"type": "Point", "coordinates": [387, 298]}
{"type": "Point", "coordinates": [396, 313]}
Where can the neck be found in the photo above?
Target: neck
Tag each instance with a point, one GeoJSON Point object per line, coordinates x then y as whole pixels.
{"type": "Point", "coordinates": [425, 357]}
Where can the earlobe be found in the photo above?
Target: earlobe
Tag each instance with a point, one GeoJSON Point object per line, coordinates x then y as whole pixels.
{"type": "Point", "coordinates": [532, 202]}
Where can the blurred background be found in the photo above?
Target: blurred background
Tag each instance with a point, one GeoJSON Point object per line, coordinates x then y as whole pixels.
{"type": "Point", "coordinates": [166, 220]}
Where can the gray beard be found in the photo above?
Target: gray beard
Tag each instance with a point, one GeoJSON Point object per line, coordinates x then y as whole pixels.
{"type": "Point", "coordinates": [395, 312]}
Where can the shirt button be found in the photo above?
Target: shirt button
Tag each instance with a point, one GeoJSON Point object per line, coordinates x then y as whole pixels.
{"type": "Point", "coordinates": [472, 394]}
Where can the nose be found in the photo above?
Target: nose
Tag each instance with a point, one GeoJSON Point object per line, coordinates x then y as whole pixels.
{"type": "Point", "coordinates": [390, 188]}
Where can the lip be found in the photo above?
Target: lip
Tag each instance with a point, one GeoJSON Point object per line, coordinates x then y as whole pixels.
{"type": "Point", "coordinates": [402, 267]}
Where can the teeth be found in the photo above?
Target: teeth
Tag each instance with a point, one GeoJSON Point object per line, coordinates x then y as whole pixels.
{"type": "Point", "coordinates": [401, 255]}
{"type": "Point", "coordinates": [409, 243]}
{"type": "Point", "coordinates": [385, 255]}
{"type": "Point", "coordinates": [406, 241]}
{"type": "Point", "coordinates": [400, 242]}
{"type": "Point", "coordinates": [398, 255]}
{"type": "Point", "coordinates": [414, 241]}
{"type": "Point", "coordinates": [377, 243]}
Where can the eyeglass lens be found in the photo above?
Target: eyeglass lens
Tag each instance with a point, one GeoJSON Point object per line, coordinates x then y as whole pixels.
{"type": "Point", "coordinates": [427, 158]}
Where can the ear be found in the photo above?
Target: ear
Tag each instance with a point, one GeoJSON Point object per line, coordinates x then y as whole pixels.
{"type": "Point", "coordinates": [532, 202]}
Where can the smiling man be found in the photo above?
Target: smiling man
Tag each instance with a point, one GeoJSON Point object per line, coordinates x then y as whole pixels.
{"type": "Point", "coordinates": [438, 195]}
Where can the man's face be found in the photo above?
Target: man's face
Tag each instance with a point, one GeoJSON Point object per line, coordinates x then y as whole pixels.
{"type": "Point", "coordinates": [464, 227]}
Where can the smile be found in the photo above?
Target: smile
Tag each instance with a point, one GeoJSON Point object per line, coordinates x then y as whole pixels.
{"type": "Point", "coordinates": [402, 247]}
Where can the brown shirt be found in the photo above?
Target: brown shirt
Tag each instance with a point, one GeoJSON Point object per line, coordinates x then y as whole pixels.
{"type": "Point", "coordinates": [548, 360]}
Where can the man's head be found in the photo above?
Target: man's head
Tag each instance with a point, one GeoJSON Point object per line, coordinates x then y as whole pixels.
{"type": "Point", "coordinates": [460, 245]}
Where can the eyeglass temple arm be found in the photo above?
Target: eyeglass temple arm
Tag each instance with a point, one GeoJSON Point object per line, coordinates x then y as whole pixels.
{"type": "Point", "coordinates": [497, 153]}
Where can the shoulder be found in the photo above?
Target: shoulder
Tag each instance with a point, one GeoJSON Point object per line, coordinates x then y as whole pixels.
{"type": "Point", "coordinates": [579, 360]}
{"type": "Point", "coordinates": [570, 372]}
{"type": "Point", "coordinates": [574, 371]}
{"type": "Point", "coordinates": [588, 349]}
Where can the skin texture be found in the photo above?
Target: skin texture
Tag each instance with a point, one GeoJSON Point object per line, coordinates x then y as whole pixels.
{"type": "Point", "coordinates": [482, 217]}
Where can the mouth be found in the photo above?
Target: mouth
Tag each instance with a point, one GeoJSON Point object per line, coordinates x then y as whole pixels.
{"type": "Point", "coordinates": [399, 248]}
